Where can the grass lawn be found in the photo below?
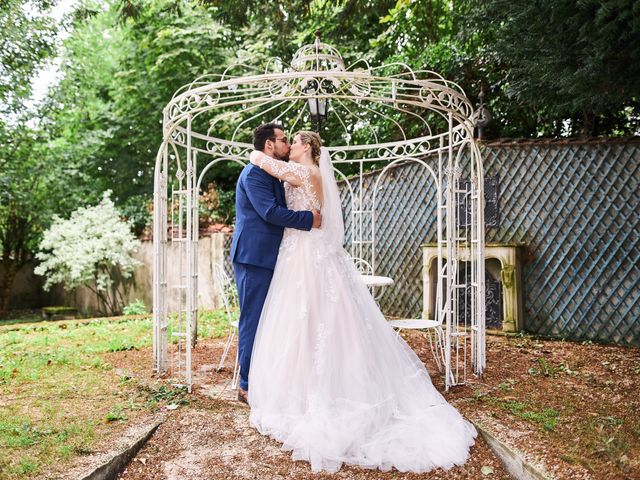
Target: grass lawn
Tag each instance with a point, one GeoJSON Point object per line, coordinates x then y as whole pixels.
{"type": "Point", "coordinates": [58, 394]}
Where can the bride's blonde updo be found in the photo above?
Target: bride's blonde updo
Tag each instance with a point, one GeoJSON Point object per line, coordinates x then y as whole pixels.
{"type": "Point", "coordinates": [313, 139]}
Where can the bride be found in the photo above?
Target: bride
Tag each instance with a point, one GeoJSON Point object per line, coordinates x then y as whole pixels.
{"type": "Point", "coordinates": [329, 377]}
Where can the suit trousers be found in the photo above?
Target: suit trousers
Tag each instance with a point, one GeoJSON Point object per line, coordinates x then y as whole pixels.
{"type": "Point", "coordinates": [253, 285]}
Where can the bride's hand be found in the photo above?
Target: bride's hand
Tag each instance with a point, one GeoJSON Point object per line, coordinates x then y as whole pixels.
{"type": "Point", "coordinates": [255, 156]}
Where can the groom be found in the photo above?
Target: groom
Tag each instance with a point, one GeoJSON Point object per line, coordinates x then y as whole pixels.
{"type": "Point", "coordinates": [261, 215]}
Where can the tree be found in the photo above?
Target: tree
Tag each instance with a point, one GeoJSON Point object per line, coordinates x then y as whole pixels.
{"type": "Point", "coordinates": [567, 68]}
{"type": "Point", "coordinates": [92, 248]}
{"type": "Point", "coordinates": [28, 40]}
{"type": "Point", "coordinates": [119, 72]}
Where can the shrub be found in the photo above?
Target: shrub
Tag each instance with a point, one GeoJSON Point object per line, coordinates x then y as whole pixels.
{"type": "Point", "coordinates": [92, 248]}
{"type": "Point", "coordinates": [135, 308]}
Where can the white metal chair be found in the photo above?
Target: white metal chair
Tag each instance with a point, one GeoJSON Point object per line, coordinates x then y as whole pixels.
{"type": "Point", "coordinates": [229, 294]}
{"type": "Point", "coordinates": [435, 325]}
{"type": "Point", "coordinates": [363, 266]}
{"type": "Point", "coordinates": [372, 281]}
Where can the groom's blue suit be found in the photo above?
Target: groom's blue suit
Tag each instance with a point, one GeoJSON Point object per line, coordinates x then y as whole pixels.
{"type": "Point", "coordinates": [261, 215]}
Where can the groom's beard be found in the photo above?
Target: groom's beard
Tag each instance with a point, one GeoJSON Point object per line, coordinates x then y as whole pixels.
{"type": "Point", "coordinates": [284, 157]}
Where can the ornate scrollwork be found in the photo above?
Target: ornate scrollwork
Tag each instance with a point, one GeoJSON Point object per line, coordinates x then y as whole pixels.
{"type": "Point", "coordinates": [409, 149]}
{"type": "Point", "coordinates": [178, 137]}
{"type": "Point", "coordinates": [454, 172]}
{"type": "Point", "coordinates": [391, 92]}
{"type": "Point", "coordinates": [359, 87]}
{"type": "Point", "coordinates": [338, 155]}
{"type": "Point", "coordinates": [220, 149]}
{"type": "Point", "coordinates": [317, 57]}
{"type": "Point", "coordinates": [280, 87]}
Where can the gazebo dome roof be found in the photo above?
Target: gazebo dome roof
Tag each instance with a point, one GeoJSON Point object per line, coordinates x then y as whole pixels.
{"type": "Point", "coordinates": [317, 56]}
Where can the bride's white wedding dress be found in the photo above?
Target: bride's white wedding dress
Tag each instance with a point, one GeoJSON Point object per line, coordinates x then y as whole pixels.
{"type": "Point", "coordinates": [329, 378]}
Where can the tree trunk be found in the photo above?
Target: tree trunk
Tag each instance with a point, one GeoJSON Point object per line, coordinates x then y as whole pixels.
{"type": "Point", "coordinates": [589, 124]}
{"type": "Point", "coordinates": [14, 234]}
{"type": "Point", "coordinates": [6, 285]}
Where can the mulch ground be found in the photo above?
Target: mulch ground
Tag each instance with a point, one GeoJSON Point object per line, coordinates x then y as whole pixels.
{"type": "Point", "coordinates": [570, 408]}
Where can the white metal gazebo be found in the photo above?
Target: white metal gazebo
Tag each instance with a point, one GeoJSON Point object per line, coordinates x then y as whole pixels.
{"type": "Point", "coordinates": [197, 137]}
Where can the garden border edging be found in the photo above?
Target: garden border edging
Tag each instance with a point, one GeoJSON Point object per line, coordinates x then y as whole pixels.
{"type": "Point", "coordinates": [110, 469]}
{"type": "Point", "coordinates": [514, 462]}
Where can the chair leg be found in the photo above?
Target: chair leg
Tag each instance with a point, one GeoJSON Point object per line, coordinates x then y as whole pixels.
{"type": "Point", "coordinates": [227, 346]}
{"type": "Point", "coordinates": [235, 381]}
{"type": "Point", "coordinates": [442, 356]}
{"type": "Point", "coordinates": [398, 330]}
{"type": "Point", "coordinates": [441, 343]}
{"type": "Point", "coordinates": [434, 350]}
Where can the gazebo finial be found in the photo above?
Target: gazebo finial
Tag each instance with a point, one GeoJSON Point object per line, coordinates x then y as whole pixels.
{"type": "Point", "coordinates": [317, 56]}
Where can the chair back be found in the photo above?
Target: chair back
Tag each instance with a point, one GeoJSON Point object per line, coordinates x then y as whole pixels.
{"type": "Point", "coordinates": [363, 266]}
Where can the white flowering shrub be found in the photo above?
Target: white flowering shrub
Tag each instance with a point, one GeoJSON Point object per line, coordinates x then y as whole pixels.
{"type": "Point", "coordinates": [92, 248]}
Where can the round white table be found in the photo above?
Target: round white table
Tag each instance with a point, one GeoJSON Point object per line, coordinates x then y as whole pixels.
{"type": "Point", "coordinates": [376, 280]}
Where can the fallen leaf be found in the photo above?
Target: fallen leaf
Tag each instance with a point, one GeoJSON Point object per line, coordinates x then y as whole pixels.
{"type": "Point", "coordinates": [486, 470]}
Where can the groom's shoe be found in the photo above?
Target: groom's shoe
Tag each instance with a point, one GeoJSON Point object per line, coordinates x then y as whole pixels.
{"type": "Point", "coordinates": [243, 396]}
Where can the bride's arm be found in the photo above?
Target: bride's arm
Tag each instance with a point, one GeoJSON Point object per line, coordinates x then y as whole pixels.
{"type": "Point", "coordinates": [292, 173]}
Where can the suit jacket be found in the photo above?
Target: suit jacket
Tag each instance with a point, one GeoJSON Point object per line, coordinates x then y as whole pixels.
{"type": "Point", "coordinates": [261, 215]}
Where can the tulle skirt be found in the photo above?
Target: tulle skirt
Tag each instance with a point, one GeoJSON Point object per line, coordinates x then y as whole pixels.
{"type": "Point", "coordinates": [332, 381]}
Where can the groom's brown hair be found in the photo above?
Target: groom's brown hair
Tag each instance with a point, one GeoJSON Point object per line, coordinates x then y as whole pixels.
{"type": "Point", "coordinates": [265, 132]}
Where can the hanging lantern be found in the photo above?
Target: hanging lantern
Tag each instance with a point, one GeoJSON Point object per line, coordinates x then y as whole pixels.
{"type": "Point", "coordinates": [317, 106]}
{"type": "Point", "coordinates": [321, 58]}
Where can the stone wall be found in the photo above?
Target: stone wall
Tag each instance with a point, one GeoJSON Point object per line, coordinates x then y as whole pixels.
{"type": "Point", "coordinates": [27, 291]}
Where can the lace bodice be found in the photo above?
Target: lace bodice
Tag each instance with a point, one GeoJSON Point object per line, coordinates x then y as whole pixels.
{"type": "Point", "coordinates": [300, 192]}
{"type": "Point", "coordinates": [303, 197]}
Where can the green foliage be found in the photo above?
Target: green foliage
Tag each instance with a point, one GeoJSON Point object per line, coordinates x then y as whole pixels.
{"type": "Point", "coordinates": [32, 189]}
{"type": "Point", "coordinates": [605, 437]}
{"type": "Point", "coordinates": [56, 392]}
{"type": "Point", "coordinates": [154, 47]}
{"type": "Point", "coordinates": [135, 308]}
{"type": "Point", "coordinates": [92, 248]}
{"type": "Point", "coordinates": [32, 186]}
{"type": "Point", "coordinates": [212, 323]}
{"type": "Point", "coordinates": [115, 414]}
{"type": "Point", "coordinates": [118, 76]}
{"type": "Point", "coordinates": [507, 385]}
{"type": "Point", "coordinates": [168, 395]}
{"type": "Point", "coordinates": [28, 36]}
{"type": "Point", "coordinates": [138, 210]}
{"type": "Point", "coordinates": [28, 353]}
{"type": "Point", "coordinates": [548, 68]}
{"type": "Point", "coordinates": [216, 206]}
{"type": "Point", "coordinates": [561, 67]}
{"type": "Point", "coordinates": [547, 418]}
